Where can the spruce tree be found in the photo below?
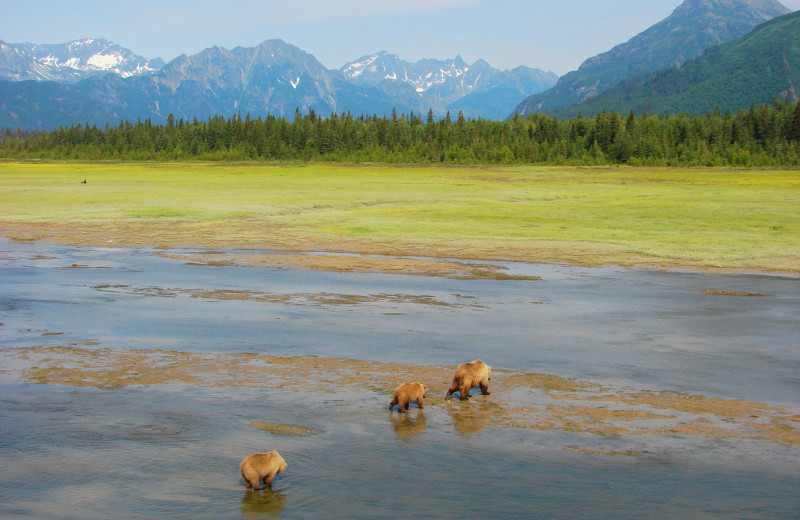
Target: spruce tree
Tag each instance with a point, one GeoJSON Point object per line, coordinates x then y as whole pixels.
{"type": "Point", "coordinates": [794, 126]}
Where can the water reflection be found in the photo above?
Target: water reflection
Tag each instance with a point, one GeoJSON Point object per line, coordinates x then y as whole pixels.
{"type": "Point", "coordinates": [471, 417]}
{"type": "Point", "coordinates": [264, 503]}
{"type": "Point", "coordinates": [409, 424]}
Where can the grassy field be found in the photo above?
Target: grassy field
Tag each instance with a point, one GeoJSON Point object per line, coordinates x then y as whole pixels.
{"type": "Point", "coordinates": [733, 219]}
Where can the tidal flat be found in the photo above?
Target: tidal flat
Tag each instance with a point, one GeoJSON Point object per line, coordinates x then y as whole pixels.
{"type": "Point", "coordinates": [162, 321]}
{"type": "Point", "coordinates": [134, 380]}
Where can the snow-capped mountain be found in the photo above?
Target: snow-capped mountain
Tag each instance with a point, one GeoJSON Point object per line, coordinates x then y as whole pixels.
{"type": "Point", "coordinates": [272, 78]}
{"type": "Point", "coordinates": [71, 62]}
{"type": "Point", "coordinates": [451, 75]}
{"type": "Point", "coordinates": [437, 84]}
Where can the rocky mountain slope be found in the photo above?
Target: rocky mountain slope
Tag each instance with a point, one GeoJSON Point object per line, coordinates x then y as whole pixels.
{"type": "Point", "coordinates": [477, 90]}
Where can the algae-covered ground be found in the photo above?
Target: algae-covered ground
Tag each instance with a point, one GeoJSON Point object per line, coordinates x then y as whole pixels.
{"type": "Point", "coordinates": [700, 218]}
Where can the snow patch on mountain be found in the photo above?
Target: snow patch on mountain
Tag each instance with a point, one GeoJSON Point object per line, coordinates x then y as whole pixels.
{"type": "Point", "coordinates": [105, 61]}
{"type": "Point", "coordinates": [71, 61]}
{"type": "Point", "coordinates": [422, 76]}
{"type": "Point", "coordinates": [438, 85]}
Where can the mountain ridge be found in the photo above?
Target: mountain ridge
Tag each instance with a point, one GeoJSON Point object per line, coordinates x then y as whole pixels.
{"type": "Point", "coordinates": [273, 77]}
{"type": "Point", "coordinates": [441, 85]}
{"type": "Point", "coordinates": [693, 27]}
{"type": "Point", "coordinates": [753, 69]}
{"type": "Point", "coordinates": [71, 61]}
{"type": "Point", "coordinates": [278, 78]}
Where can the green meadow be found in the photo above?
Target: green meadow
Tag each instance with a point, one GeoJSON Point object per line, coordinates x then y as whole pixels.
{"type": "Point", "coordinates": [715, 218]}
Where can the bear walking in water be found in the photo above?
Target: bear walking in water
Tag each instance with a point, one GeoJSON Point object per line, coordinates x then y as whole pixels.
{"type": "Point", "coordinates": [261, 467]}
{"type": "Point", "coordinates": [468, 376]}
{"type": "Point", "coordinates": [405, 393]}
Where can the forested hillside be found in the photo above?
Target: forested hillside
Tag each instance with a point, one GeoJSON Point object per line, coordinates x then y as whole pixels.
{"type": "Point", "coordinates": [693, 27]}
{"type": "Point", "coordinates": [750, 70]}
{"type": "Point", "coordinates": [760, 136]}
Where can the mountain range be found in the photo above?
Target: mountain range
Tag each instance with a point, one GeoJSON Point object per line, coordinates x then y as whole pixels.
{"type": "Point", "coordinates": [693, 27]}
{"type": "Point", "coordinates": [99, 82]}
{"type": "Point", "coordinates": [53, 85]}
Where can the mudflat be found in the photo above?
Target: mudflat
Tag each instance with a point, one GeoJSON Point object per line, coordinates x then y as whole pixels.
{"type": "Point", "coordinates": [524, 401]}
{"type": "Point", "coordinates": [613, 390]}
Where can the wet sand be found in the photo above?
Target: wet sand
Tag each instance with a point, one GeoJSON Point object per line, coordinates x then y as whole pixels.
{"type": "Point", "coordinates": [523, 401]}
{"type": "Point", "coordinates": [355, 263]}
{"type": "Point", "coordinates": [284, 298]}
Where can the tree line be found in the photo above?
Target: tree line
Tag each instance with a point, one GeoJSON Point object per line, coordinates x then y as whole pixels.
{"type": "Point", "coordinates": [761, 136]}
{"type": "Point", "coordinates": [18, 134]}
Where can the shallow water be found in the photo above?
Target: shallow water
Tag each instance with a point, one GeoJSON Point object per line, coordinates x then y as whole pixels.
{"type": "Point", "coordinates": [173, 451]}
{"type": "Point", "coordinates": [647, 329]}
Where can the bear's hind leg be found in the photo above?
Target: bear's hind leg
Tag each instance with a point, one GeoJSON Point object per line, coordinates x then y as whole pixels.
{"type": "Point", "coordinates": [247, 481]}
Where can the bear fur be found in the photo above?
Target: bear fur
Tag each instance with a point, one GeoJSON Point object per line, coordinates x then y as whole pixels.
{"type": "Point", "coordinates": [405, 394]}
{"type": "Point", "coordinates": [468, 376]}
{"type": "Point", "coordinates": [261, 467]}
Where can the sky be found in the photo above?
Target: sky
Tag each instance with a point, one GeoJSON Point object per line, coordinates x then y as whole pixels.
{"type": "Point", "coordinates": [555, 35]}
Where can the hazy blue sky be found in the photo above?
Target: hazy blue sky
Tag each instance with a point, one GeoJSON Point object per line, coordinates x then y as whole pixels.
{"type": "Point", "coordinates": [553, 35]}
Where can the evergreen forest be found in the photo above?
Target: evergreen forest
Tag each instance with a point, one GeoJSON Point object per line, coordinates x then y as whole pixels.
{"type": "Point", "coordinates": [761, 136]}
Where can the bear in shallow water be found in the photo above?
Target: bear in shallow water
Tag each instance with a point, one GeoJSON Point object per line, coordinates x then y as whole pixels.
{"type": "Point", "coordinates": [405, 393]}
{"type": "Point", "coordinates": [261, 467]}
{"type": "Point", "coordinates": [468, 376]}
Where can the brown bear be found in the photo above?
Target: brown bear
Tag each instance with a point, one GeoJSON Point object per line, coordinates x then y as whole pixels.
{"type": "Point", "coordinates": [405, 393]}
{"type": "Point", "coordinates": [470, 375]}
{"type": "Point", "coordinates": [261, 467]}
